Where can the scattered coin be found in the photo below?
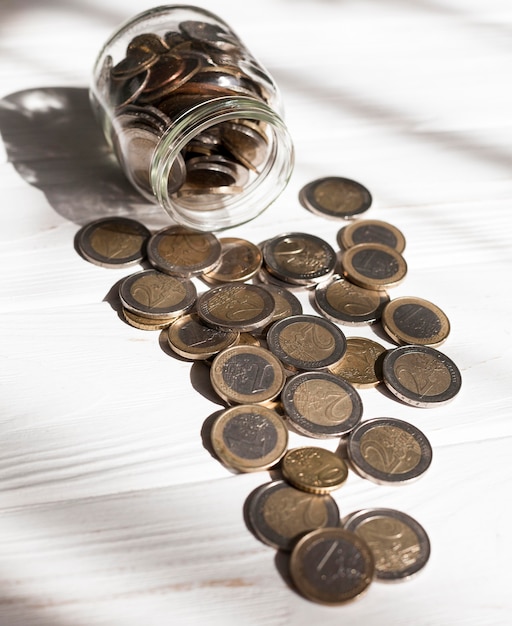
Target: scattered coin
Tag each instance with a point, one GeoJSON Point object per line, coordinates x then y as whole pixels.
{"type": "Point", "coordinates": [192, 339]}
{"type": "Point", "coordinates": [249, 437]}
{"type": "Point", "coordinates": [241, 307]}
{"type": "Point", "coordinates": [181, 251]}
{"type": "Point", "coordinates": [320, 405]}
{"type": "Point", "coordinates": [280, 514]}
{"type": "Point", "coordinates": [335, 197]}
{"type": "Point", "coordinates": [314, 469]}
{"type": "Point", "coordinates": [245, 374]}
{"type": "Point", "coordinates": [239, 261]}
{"type": "Point", "coordinates": [286, 304]}
{"type": "Point", "coordinates": [371, 231]}
{"type": "Point", "coordinates": [306, 342]}
{"type": "Point", "coordinates": [411, 320]}
{"type": "Point", "coordinates": [374, 266]}
{"type": "Point", "coordinates": [361, 364]}
{"type": "Point", "coordinates": [331, 566]}
{"type": "Point", "coordinates": [389, 451]}
{"type": "Point", "coordinates": [145, 323]}
{"type": "Point", "coordinates": [113, 242]}
{"type": "Point", "coordinates": [421, 376]}
{"type": "Point", "coordinates": [399, 544]}
{"type": "Point", "coordinates": [341, 301]}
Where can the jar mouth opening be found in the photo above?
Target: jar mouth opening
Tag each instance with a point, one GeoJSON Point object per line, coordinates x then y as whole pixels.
{"type": "Point", "coordinates": [220, 208]}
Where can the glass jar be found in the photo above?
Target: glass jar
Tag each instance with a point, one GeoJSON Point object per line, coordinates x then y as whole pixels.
{"type": "Point", "coordinates": [194, 120]}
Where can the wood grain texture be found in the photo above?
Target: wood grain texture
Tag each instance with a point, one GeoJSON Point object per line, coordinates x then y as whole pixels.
{"type": "Point", "coordinates": [113, 511]}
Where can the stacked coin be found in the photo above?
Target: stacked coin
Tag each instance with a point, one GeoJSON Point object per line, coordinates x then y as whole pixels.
{"type": "Point", "coordinates": [163, 77]}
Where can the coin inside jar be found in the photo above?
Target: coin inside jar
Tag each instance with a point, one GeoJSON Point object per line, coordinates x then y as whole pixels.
{"type": "Point", "coordinates": [399, 544]}
{"type": "Point", "coordinates": [389, 451]}
{"type": "Point", "coordinates": [411, 320]}
{"type": "Point", "coordinates": [335, 197]}
{"type": "Point", "coordinates": [249, 437]}
{"type": "Point", "coordinates": [374, 266]}
{"type": "Point", "coordinates": [361, 364]}
{"type": "Point", "coordinates": [321, 405]}
{"type": "Point", "coordinates": [314, 469]}
{"type": "Point", "coordinates": [371, 231]}
{"type": "Point", "coordinates": [331, 566]}
{"type": "Point", "coordinates": [421, 376]}
{"type": "Point", "coordinates": [280, 514]}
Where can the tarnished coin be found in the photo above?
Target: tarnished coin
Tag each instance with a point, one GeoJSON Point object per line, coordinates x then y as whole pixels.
{"type": "Point", "coordinates": [239, 261]}
{"type": "Point", "coordinates": [341, 301]}
{"type": "Point", "coordinates": [249, 437]}
{"type": "Point", "coordinates": [320, 405]}
{"type": "Point", "coordinates": [145, 323]}
{"type": "Point", "coordinates": [306, 342]}
{"type": "Point", "coordinates": [411, 320]}
{"type": "Point", "coordinates": [314, 469]}
{"type": "Point", "coordinates": [280, 514]}
{"type": "Point", "coordinates": [331, 566]}
{"type": "Point", "coordinates": [152, 294]}
{"type": "Point", "coordinates": [181, 251]}
{"type": "Point", "coordinates": [239, 307]}
{"type": "Point", "coordinates": [399, 544]}
{"type": "Point", "coordinates": [245, 374]}
{"type": "Point", "coordinates": [113, 241]}
{"type": "Point", "coordinates": [299, 258]}
{"type": "Point", "coordinates": [361, 364]}
{"type": "Point", "coordinates": [335, 197]}
{"type": "Point", "coordinates": [421, 376]}
{"type": "Point", "coordinates": [371, 231]}
{"type": "Point", "coordinates": [192, 339]}
{"type": "Point", "coordinates": [389, 451]}
{"type": "Point", "coordinates": [374, 266]}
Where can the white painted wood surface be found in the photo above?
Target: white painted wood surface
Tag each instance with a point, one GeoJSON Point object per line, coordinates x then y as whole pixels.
{"type": "Point", "coordinates": [112, 510]}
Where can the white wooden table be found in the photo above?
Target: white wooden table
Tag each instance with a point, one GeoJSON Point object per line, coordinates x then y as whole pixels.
{"type": "Point", "coordinates": [112, 510]}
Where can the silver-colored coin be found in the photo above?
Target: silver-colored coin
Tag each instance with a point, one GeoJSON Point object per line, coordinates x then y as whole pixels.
{"type": "Point", "coordinates": [335, 197]}
{"type": "Point", "coordinates": [249, 437]}
{"type": "Point", "coordinates": [299, 258]}
{"type": "Point", "coordinates": [399, 544]}
{"type": "Point", "coordinates": [181, 251]}
{"type": "Point", "coordinates": [320, 405]}
{"type": "Point", "coordinates": [241, 307]}
{"type": "Point", "coordinates": [341, 301]}
{"type": "Point", "coordinates": [421, 376]}
{"type": "Point", "coordinates": [306, 342]}
{"type": "Point", "coordinates": [113, 242]}
{"type": "Point", "coordinates": [152, 294]}
{"type": "Point", "coordinates": [191, 338]}
{"type": "Point", "coordinates": [389, 451]}
{"type": "Point", "coordinates": [280, 514]}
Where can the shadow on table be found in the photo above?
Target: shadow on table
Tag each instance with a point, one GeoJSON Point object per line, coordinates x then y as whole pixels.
{"type": "Point", "coordinates": [54, 142]}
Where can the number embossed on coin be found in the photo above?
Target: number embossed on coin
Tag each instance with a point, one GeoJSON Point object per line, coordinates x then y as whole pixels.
{"type": "Point", "coordinates": [314, 469]}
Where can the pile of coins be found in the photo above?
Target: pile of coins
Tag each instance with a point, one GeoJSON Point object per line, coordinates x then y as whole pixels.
{"type": "Point", "coordinates": [163, 76]}
{"type": "Point", "coordinates": [277, 369]}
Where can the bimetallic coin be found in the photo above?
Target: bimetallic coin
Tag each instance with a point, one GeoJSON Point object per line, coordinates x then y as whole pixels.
{"type": "Point", "coordinates": [245, 374]}
{"type": "Point", "coordinates": [321, 405]}
{"type": "Point", "coordinates": [239, 261]}
{"type": "Point", "coordinates": [145, 323]}
{"type": "Point", "coordinates": [306, 342]}
{"type": "Point", "coordinates": [249, 437]}
{"type": "Point", "coordinates": [286, 304]}
{"type": "Point", "coordinates": [113, 242]}
{"type": "Point", "coordinates": [299, 258]}
{"type": "Point", "coordinates": [239, 307]}
{"type": "Point", "coordinates": [374, 266]}
{"type": "Point", "coordinates": [331, 566]}
{"type": "Point", "coordinates": [181, 251]}
{"type": "Point", "coordinates": [421, 376]}
{"type": "Point", "coordinates": [341, 301]}
{"type": "Point", "coordinates": [389, 451]}
{"type": "Point", "coordinates": [410, 320]}
{"type": "Point", "coordinates": [335, 197]}
{"type": "Point", "coordinates": [192, 339]}
{"type": "Point", "coordinates": [371, 231]}
{"type": "Point", "coordinates": [361, 364]}
{"type": "Point", "coordinates": [152, 294]}
{"type": "Point", "coordinates": [280, 514]}
{"type": "Point", "coordinates": [399, 544]}
{"type": "Point", "coordinates": [314, 469]}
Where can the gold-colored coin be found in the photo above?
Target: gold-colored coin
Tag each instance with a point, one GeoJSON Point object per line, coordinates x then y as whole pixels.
{"type": "Point", "coordinates": [314, 469]}
{"type": "Point", "coordinates": [146, 323]}
{"type": "Point", "coordinates": [411, 320]}
{"type": "Point", "coordinates": [371, 231]}
{"type": "Point", "coordinates": [361, 364]}
{"type": "Point", "coordinates": [192, 339]}
{"type": "Point", "coordinates": [239, 261]}
{"type": "Point", "coordinates": [374, 266]}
